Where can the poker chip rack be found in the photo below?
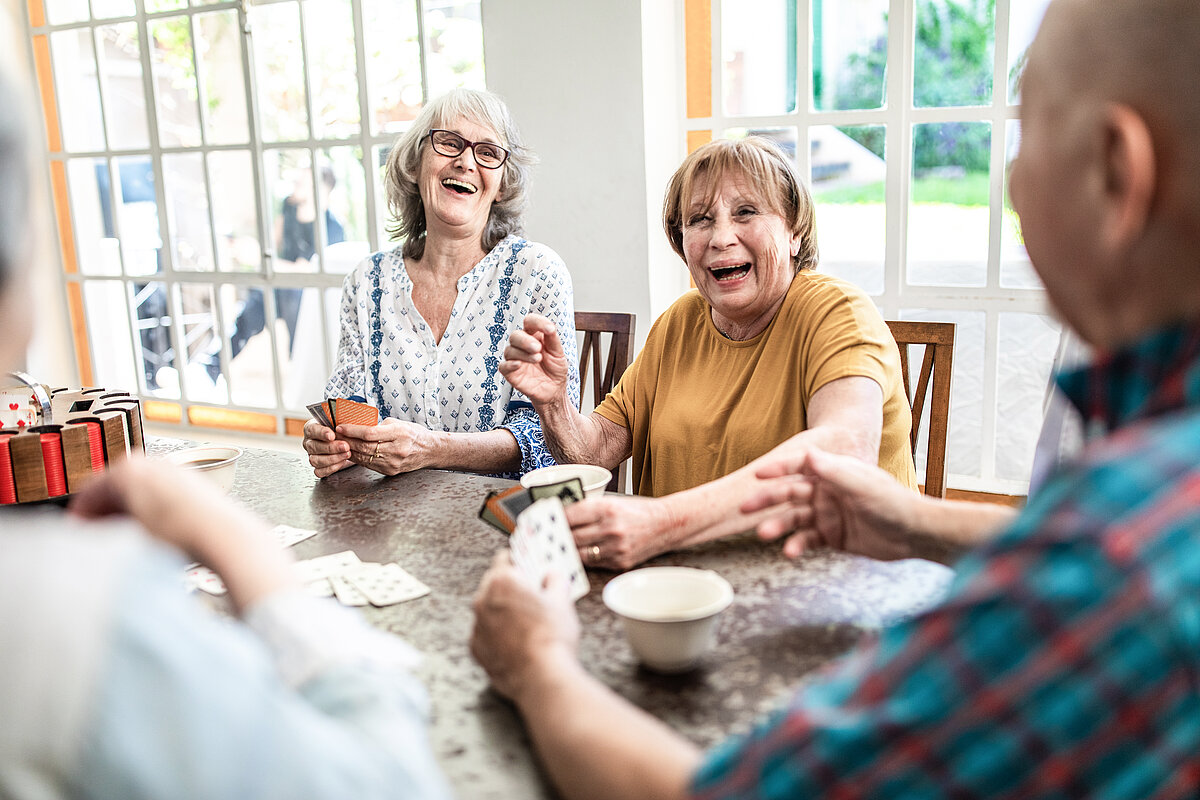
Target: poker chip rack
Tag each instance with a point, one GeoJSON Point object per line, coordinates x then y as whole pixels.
{"type": "Point", "coordinates": [84, 432]}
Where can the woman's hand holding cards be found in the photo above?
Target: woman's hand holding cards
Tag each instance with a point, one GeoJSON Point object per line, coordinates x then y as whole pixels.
{"type": "Point", "coordinates": [619, 532]}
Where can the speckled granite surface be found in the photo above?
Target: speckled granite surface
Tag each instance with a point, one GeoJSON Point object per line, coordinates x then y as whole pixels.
{"type": "Point", "coordinates": [787, 619]}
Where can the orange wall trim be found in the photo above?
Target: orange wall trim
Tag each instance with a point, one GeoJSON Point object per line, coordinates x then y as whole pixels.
{"type": "Point", "coordinates": [45, 76]}
{"type": "Point", "coordinates": [62, 214]}
{"type": "Point", "coordinates": [79, 333]}
{"type": "Point", "coordinates": [697, 138]}
{"type": "Point", "coordinates": [37, 13]}
{"type": "Point", "coordinates": [230, 419]}
{"type": "Point", "coordinates": [160, 411]}
{"type": "Point", "coordinates": [293, 426]}
{"type": "Point", "coordinates": [697, 25]}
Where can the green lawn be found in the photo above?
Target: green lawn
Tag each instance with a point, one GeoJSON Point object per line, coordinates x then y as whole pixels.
{"type": "Point", "coordinates": [971, 190]}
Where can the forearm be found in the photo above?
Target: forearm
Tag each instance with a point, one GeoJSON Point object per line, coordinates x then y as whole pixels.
{"type": "Point", "coordinates": [488, 452]}
{"type": "Point", "coordinates": [942, 530]}
{"type": "Point", "coordinates": [596, 745]}
{"type": "Point", "coordinates": [576, 439]}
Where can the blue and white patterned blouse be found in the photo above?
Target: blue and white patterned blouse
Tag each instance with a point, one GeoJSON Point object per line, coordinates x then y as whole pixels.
{"type": "Point", "coordinates": [387, 353]}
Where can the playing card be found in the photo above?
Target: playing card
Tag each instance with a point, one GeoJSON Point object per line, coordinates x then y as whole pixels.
{"type": "Point", "coordinates": [386, 584]}
{"type": "Point", "coordinates": [352, 412]}
{"type": "Point", "coordinates": [318, 413]}
{"type": "Point", "coordinates": [346, 594]}
{"type": "Point", "coordinates": [204, 579]}
{"type": "Point", "coordinates": [496, 514]}
{"type": "Point", "coordinates": [567, 491]}
{"type": "Point", "coordinates": [542, 545]}
{"type": "Point", "coordinates": [287, 536]}
{"type": "Point", "coordinates": [315, 569]}
{"type": "Point", "coordinates": [319, 588]}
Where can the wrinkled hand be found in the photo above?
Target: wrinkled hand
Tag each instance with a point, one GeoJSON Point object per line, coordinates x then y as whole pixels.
{"type": "Point", "coordinates": [391, 447]}
{"type": "Point", "coordinates": [534, 361]}
{"type": "Point", "coordinates": [327, 453]}
{"type": "Point", "coordinates": [518, 627]}
{"type": "Point", "coordinates": [835, 501]}
{"type": "Point", "coordinates": [618, 532]}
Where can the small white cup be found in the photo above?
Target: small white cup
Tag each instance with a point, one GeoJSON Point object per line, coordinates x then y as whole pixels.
{"type": "Point", "coordinates": [593, 478]}
{"type": "Point", "coordinates": [217, 462]}
{"type": "Point", "coordinates": [670, 613]}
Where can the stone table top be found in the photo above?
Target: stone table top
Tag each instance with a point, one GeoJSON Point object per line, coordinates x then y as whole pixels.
{"type": "Point", "coordinates": [787, 618]}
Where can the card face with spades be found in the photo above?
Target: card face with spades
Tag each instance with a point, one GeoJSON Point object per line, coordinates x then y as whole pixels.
{"type": "Point", "coordinates": [542, 544]}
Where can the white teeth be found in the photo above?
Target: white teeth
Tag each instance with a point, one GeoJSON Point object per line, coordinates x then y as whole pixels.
{"type": "Point", "coordinates": [460, 184]}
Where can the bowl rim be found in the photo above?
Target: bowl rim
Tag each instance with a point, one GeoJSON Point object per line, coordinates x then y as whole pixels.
{"type": "Point", "coordinates": [180, 458]}
{"type": "Point", "coordinates": [718, 605]}
{"type": "Point", "coordinates": [547, 470]}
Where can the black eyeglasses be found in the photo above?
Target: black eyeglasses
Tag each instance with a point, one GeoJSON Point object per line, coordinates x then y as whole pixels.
{"type": "Point", "coordinates": [449, 143]}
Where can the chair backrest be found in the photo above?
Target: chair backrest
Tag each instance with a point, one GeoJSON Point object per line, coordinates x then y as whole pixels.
{"type": "Point", "coordinates": [604, 372]}
{"type": "Point", "coordinates": [933, 381]}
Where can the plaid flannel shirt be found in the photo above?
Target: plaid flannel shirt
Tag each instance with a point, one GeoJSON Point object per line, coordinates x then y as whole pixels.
{"type": "Point", "coordinates": [1063, 662]}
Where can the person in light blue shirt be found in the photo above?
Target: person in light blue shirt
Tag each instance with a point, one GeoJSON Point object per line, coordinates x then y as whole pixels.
{"type": "Point", "coordinates": [114, 684]}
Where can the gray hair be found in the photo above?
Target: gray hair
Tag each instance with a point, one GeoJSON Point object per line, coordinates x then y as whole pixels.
{"type": "Point", "coordinates": [14, 178]}
{"type": "Point", "coordinates": [404, 165]}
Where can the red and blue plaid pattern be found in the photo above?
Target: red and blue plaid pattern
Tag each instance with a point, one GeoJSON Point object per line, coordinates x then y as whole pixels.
{"type": "Point", "coordinates": [1064, 661]}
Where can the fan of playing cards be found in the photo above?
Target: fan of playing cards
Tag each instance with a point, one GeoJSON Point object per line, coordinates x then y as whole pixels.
{"type": "Point", "coordinates": [542, 545]}
{"type": "Point", "coordinates": [344, 411]}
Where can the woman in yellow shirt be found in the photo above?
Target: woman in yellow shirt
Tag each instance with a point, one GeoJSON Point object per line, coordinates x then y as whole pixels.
{"type": "Point", "coordinates": [766, 353]}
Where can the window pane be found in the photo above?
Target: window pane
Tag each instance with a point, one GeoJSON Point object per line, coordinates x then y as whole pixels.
{"type": "Point", "coordinates": [329, 30]}
{"type": "Point", "coordinates": [60, 12]}
{"type": "Point", "coordinates": [948, 220]}
{"type": "Point", "coordinates": [1027, 343]}
{"type": "Point", "coordinates": [231, 178]}
{"type": "Point", "coordinates": [137, 215]}
{"type": "Point", "coordinates": [455, 53]}
{"type": "Point", "coordinates": [964, 448]}
{"type": "Point", "coordinates": [952, 60]}
{"type": "Point", "coordinates": [849, 55]}
{"type": "Point", "coordinates": [119, 57]}
{"type": "Point", "coordinates": [174, 82]}
{"type": "Point", "coordinates": [78, 92]}
{"type": "Point", "coordinates": [109, 332]}
{"type": "Point", "coordinates": [1024, 18]}
{"type": "Point", "coordinates": [196, 307]}
{"type": "Point", "coordinates": [153, 342]}
{"type": "Point", "coordinates": [247, 347]}
{"type": "Point", "coordinates": [107, 9]}
{"type": "Point", "coordinates": [301, 346]}
{"type": "Point", "coordinates": [219, 51]}
{"type": "Point", "coordinates": [849, 177]}
{"type": "Point", "coordinates": [1016, 271]}
{"type": "Point", "coordinates": [383, 217]}
{"type": "Point", "coordinates": [97, 247]}
{"type": "Point", "coordinates": [758, 38]}
{"type": "Point", "coordinates": [279, 65]}
{"type": "Point", "coordinates": [187, 212]}
{"type": "Point", "coordinates": [154, 6]}
{"type": "Point", "coordinates": [343, 188]}
{"type": "Point", "coordinates": [293, 210]}
{"type": "Point", "coordinates": [393, 57]}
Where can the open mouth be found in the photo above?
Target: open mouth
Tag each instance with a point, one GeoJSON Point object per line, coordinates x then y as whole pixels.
{"type": "Point", "coordinates": [460, 187]}
{"type": "Point", "coordinates": [730, 273]}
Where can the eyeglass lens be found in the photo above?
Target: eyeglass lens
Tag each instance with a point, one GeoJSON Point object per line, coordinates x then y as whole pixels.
{"type": "Point", "coordinates": [451, 144]}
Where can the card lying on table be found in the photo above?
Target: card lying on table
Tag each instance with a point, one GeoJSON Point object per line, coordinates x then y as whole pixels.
{"type": "Point", "coordinates": [344, 411]}
{"type": "Point", "coordinates": [542, 545]}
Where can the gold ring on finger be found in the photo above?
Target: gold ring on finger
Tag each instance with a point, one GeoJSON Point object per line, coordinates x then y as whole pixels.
{"type": "Point", "coordinates": [594, 553]}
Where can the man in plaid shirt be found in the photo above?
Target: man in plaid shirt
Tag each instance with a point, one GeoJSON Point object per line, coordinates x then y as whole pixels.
{"type": "Point", "coordinates": [1063, 662]}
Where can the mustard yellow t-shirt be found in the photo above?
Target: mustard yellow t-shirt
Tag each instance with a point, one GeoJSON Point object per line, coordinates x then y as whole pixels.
{"type": "Point", "coordinates": [700, 406]}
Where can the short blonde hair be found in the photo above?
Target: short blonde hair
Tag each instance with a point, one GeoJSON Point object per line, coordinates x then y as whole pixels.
{"type": "Point", "coordinates": [404, 165]}
{"type": "Point", "coordinates": [768, 171]}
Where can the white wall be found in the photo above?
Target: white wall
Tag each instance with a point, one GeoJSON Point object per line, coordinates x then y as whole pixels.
{"type": "Point", "coordinates": [572, 75]}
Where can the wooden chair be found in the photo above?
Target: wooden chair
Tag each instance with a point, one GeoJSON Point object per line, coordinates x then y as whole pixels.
{"type": "Point", "coordinates": [933, 381]}
{"type": "Point", "coordinates": [605, 372]}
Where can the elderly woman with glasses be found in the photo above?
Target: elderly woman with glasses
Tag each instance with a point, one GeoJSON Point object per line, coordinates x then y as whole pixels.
{"type": "Point", "coordinates": [767, 355]}
{"type": "Point", "coordinates": [424, 326]}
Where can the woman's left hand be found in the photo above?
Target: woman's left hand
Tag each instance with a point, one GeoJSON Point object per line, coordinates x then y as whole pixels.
{"type": "Point", "coordinates": [619, 532]}
{"type": "Point", "coordinates": [391, 447]}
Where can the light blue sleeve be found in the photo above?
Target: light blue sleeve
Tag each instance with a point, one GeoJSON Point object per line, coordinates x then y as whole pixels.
{"type": "Point", "coordinates": [193, 706]}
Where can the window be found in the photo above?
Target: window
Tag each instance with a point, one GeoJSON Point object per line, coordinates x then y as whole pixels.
{"type": "Point", "coordinates": [216, 168]}
{"type": "Point", "coordinates": [903, 113]}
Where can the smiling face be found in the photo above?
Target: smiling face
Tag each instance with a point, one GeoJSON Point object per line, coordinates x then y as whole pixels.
{"type": "Point", "coordinates": [739, 252]}
{"type": "Point", "coordinates": [457, 192]}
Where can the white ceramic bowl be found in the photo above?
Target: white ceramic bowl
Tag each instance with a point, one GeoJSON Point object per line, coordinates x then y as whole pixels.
{"type": "Point", "coordinates": [670, 613]}
{"type": "Point", "coordinates": [593, 478]}
{"type": "Point", "coordinates": [217, 462]}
